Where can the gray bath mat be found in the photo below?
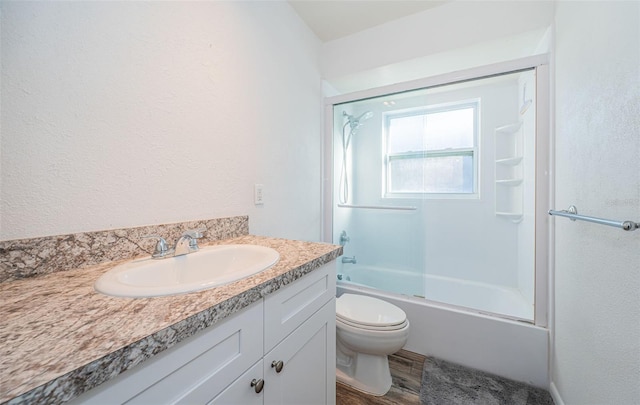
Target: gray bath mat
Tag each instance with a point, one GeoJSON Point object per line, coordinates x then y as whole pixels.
{"type": "Point", "coordinates": [445, 383]}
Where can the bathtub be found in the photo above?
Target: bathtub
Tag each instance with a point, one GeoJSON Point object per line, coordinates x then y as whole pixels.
{"type": "Point", "coordinates": [475, 296]}
{"type": "Point", "coordinates": [501, 346]}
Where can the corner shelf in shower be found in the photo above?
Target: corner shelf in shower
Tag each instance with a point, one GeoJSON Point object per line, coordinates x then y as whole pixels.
{"type": "Point", "coordinates": [509, 182]}
{"type": "Point", "coordinates": [509, 171]}
{"type": "Point", "coordinates": [509, 128]}
{"type": "Point", "coordinates": [509, 161]}
{"type": "Point", "coordinates": [513, 216]}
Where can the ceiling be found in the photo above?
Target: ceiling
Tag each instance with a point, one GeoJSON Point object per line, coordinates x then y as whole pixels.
{"type": "Point", "coordinates": [333, 19]}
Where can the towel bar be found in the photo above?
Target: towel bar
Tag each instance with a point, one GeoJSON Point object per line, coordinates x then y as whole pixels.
{"type": "Point", "coordinates": [572, 214]}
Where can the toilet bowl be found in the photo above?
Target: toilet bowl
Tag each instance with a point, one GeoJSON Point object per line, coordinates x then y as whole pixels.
{"type": "Point", "coordinates": [367, 331]}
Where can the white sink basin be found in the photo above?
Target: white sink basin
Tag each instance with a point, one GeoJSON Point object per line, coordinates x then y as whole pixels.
{"type": "Point", "coordinates": [211, 266]}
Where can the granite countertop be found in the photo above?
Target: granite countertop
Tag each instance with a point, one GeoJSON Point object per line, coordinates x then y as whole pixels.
{"type": "Point", "coordinates": [60, 337]}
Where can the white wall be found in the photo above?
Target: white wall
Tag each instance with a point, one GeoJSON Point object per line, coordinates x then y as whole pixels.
{"type": "Point", "coordinates": [457, 35]}
{"type": "Point", "coordinates": [119, 114]}
{"type": "Point", "coordinates": [597, 277]}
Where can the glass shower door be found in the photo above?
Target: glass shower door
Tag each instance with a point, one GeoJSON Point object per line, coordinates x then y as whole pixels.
{"type": "Point", "coordinates": [434, 193]}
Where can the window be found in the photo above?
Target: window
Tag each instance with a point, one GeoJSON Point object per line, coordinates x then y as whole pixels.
{"type": "Point", "coordinates": [432, 150]}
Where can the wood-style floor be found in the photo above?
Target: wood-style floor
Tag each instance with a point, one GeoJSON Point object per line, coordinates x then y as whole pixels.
{"type": "Point", "coordinates": [406, 374]}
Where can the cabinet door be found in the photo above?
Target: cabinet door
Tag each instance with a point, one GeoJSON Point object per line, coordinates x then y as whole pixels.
{"type": "Point", "coordinates": [308, 355]}
{"type": "Point", "coordinates": [286, 309]}
{"type": "Point", "coordinates": [242, 392]}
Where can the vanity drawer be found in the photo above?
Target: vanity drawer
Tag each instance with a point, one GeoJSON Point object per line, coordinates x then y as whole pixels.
{"type": "Point", "coordinates": [196, 370]}
{"type": "Point", "coordinates": [289, 307]}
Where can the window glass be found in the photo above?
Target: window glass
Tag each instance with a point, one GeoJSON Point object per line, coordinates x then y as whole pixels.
{"type": "Point", "coordinates": [407, 134]}
{"type": "Point", "coordinates": [447, 174]}
{"type": "Point", "coordinates": [450, 129]}
{"type": "Point", "coordinates": [432, 150]}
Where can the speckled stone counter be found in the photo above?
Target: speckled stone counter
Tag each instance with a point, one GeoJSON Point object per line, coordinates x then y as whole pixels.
{"type": "Point", "coordinates": [25, 258]}
{"type": "Point", "coordinates": [60, 338]}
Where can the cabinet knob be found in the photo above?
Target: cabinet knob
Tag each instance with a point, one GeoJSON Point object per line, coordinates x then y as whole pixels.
{"type": "Point", "coordinates": [277, 365]}
{"type": "Point", "coordinates": [257, 385]}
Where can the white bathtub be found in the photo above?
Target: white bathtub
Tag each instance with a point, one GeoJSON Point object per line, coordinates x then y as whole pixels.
{"type": "Point", "coordinates": [505, 347]}
{"type": "Point", "coordinates": [479, 297]}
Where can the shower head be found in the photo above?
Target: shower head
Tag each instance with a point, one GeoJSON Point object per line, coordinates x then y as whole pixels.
{"type": "Point", "coordinates": [357, 122]}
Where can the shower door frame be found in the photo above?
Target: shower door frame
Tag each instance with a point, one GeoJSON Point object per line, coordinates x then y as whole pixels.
{"type": "Point", "coordinates": [543, 153]}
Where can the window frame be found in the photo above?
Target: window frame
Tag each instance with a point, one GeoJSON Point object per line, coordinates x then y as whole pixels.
{"type": "Point", "coordinates": [474, 151]}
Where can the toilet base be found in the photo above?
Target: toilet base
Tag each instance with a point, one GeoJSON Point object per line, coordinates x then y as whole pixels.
{"type": "Point", "coordinates": [368, 373]}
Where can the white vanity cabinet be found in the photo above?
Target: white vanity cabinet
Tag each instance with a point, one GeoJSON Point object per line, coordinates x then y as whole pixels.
{"type": "Point", "coordinates": [308, 356]}
{"type": "Point", "coordinates": [241, 392]}
{"type": "Point", "coordinates": [299, 341]}
{"type": "Point", "coordinates": [279, 350]}
{"type": "Point", "coordinates": [193, 371]}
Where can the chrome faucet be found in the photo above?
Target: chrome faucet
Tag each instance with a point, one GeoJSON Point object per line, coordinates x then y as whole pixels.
{"type": "Point", "coordinates": [162, 249]}
{"type": "Point", "coordinates": [188, 242]}
{"type": "Point", "coordinates": [347, 259]}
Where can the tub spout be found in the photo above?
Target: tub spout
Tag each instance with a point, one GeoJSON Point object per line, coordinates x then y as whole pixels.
{"type": "Point", "coordinates": [347, 259]}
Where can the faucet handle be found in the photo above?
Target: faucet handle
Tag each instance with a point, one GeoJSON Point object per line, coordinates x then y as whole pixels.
{"type": "Point", "coordinates": [194, 235]}
{"type": "Point", "coordinates": [344, 238]}
{"type": "Point", "coordinates": [162, 249]}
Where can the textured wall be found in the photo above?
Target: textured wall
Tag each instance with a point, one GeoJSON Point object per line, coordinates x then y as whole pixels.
{"type": "Point", "coordinates": [597, 275]}
{"type": "Point", "coordinates": [120, 114]}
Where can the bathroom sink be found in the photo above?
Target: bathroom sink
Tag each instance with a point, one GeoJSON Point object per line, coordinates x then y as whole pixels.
{"type": "Point", "coordinates": [209, 267]}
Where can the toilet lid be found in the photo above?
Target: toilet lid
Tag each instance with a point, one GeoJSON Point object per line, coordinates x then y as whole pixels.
{"type": "Point", "coordinates": [388, 328]}
{"type": "Point", "coordinates": [368, 311]}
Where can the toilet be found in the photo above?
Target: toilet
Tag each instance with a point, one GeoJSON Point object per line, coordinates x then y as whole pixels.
{"type": "Point", "coordinates": [367, 331]}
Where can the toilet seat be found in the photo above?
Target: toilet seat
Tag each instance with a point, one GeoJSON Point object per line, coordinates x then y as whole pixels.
{"type": "Point", "coordinates": [390, 328]}
{"type": "Point", "coordinates": [369, 313]}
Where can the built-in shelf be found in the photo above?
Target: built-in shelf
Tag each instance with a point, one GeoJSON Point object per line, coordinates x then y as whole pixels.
{"type": "Point", "coordinates": [513, 216]}
{"type": "Point", "coordinates": [509, 214]}
{"type": "Point", "coordinates": [509, 171]}
{"type": "Point", "coordinates": [509, 161]}
{"type": "Point", "coordinates": [509, 129]}
{"type": "Point", "coordinates": [509, 182]}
